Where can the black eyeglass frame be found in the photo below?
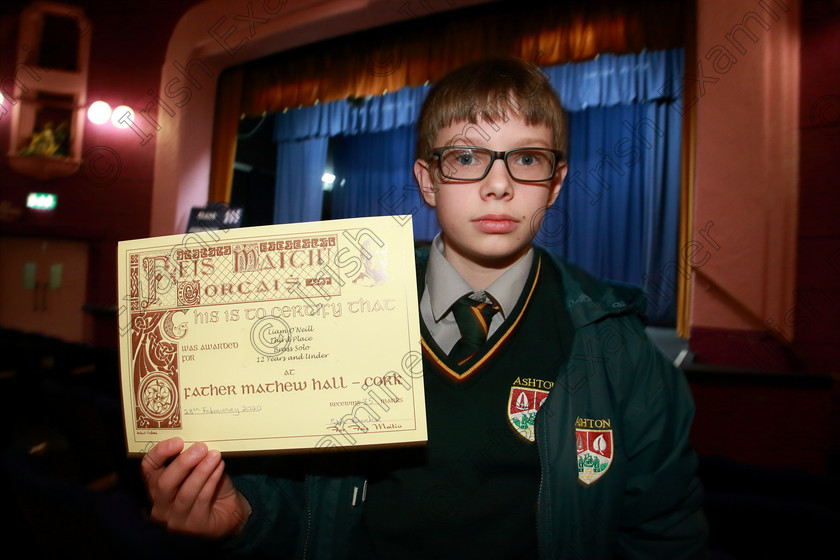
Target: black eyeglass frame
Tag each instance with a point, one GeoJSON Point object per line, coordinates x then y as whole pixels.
{"type": "Point", "coordinates": [559, 160]}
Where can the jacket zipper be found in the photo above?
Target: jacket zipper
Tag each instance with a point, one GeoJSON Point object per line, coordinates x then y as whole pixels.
{"type": "Point", "coordinates": [541, 450]}
{"type": "Point", "coordinates": [308, 522]}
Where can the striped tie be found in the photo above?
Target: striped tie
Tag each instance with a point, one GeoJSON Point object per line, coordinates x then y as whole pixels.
{"type": "Point", "coordinates": [473, 318]}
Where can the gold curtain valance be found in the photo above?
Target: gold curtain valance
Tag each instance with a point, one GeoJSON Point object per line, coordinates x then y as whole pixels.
{"type": "Point", "coordinates": [417, 51]}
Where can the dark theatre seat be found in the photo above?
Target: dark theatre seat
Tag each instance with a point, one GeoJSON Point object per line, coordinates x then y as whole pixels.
{"type": "Point", "coordinates": [66, 482]}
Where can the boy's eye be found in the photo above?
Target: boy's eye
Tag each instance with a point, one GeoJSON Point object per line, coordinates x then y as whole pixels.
{"type": "Point", "coordinates": [463, 157]}
{"type": "Point", "coordinates": [527, 159]}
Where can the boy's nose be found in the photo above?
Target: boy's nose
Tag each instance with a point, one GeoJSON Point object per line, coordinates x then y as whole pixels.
{"type": "Point", "coordinates": [498, 182]}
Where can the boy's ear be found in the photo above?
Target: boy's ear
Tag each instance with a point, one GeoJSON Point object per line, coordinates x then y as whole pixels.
{"type": "Point", "coordinates": [423, 175]}
{"type": "Point", "coordinates": [556, 183]}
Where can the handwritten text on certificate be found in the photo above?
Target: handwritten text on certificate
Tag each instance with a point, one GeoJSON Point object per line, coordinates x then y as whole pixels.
{"type": "Point", "coordinates": [273, 338]}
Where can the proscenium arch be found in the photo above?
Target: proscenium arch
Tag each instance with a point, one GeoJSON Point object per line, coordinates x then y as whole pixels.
{"type": "Point", "coordinates": [215, 35]}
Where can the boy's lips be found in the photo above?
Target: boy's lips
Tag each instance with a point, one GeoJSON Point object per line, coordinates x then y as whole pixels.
{"type": "Point", "coordinates": [496, 223]}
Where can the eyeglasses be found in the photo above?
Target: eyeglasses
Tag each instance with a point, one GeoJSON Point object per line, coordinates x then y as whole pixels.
{"type": "Point", "coordinates": [465, 163]}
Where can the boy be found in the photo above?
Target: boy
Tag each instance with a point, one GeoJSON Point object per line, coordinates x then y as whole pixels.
{"type": "Point", "coordinates": [556, 430]}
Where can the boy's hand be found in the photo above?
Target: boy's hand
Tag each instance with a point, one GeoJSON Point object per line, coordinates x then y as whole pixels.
{"type": "Point", "coordinates": [190, 491]}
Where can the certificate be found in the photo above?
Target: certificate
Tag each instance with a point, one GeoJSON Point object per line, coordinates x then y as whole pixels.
{"type": "Point", "coordinates": [275, 338]}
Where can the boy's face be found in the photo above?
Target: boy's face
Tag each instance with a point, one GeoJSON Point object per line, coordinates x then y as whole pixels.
{"type": "Point", "coordinates": [490, 222]}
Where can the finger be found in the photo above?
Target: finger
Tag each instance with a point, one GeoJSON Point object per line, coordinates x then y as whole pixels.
{"type": "Point", "coordinates": [158, 455]}
{"type": "Point", "coordinates": [197, 484]}
{"type": "Point", "coordinates": [205, 502]}
{"type": "Point", "coordinates": [169, 481]}
{"type": "Point", "coordinates": [155, 460]}
{"type": "Point", "coordinates": [209, 491]}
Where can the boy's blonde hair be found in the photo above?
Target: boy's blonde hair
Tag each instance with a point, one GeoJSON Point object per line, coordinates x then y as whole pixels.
{"type": "Point", "coordinates": [507, 86]}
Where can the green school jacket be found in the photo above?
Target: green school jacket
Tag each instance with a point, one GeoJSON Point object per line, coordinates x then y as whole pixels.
{"type": "Point", "coordinates": [643, 502]}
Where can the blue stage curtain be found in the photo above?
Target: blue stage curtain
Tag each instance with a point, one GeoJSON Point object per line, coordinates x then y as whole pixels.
{"type": "Point", "coordinates": [617, 213]}
{"type": "Point", "coordinates": [299, 193]}
{"type": "Point", "coordinates": [371, 114]}
{"type": "Point", "coordinates": [375, 178]}
{"type": "Point", "coordinates": [618, 79]}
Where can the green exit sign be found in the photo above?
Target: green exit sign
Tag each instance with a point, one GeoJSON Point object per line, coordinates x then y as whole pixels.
{"type": "Point", "coordinates": [41, 201]}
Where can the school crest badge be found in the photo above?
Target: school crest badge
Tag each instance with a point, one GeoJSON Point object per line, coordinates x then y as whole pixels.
{"type": "Point", "coordinates": [594, 449]}
{"type": "Point", "coordinates": [522, 409]}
